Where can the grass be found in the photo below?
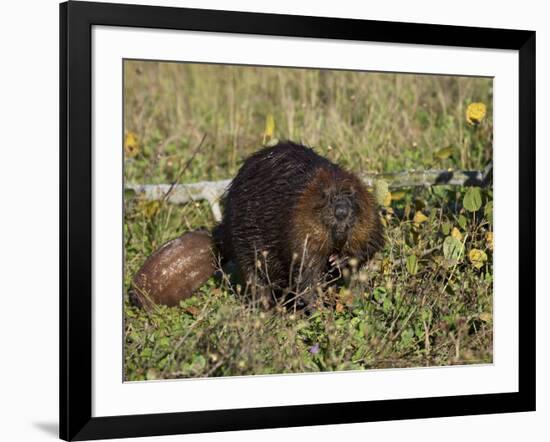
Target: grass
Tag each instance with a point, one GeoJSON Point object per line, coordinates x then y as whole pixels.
{"type": "Point", "coordinates": [425, 300]}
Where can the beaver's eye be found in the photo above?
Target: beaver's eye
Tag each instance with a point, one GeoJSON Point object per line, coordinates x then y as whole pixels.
{"type": "Point", "coordinates": [320, 205]}
{"type": "Point", "coordinates": [350, 193]}
{"type": "Point", "coordinates": [322, 201]}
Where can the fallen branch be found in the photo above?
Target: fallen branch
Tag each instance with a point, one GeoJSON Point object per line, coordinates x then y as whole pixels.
{"type": "Point", "coordinates": [212, 191]}
{"type": "Point", "coordinates": [426, 178]}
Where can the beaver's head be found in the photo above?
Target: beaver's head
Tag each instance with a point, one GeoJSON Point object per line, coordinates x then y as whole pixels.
{"type": "Point", "coordinates": [337, 215]}
{"type": "Point", "coordinates": [335, 201]}
{"type": "Point", "coordinates": [338, 211]}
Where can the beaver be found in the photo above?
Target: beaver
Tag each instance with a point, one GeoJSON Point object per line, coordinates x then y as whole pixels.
{"type": "Point", "coordinates": [289, 215]}
{"type": "Point", "coordinates": [174, 271]}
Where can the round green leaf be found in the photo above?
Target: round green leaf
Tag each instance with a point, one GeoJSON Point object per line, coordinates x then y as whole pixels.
{"type": "Point", "coordinates": [472, 199]}
{"type": "Point", "coordinates": [444, 153]}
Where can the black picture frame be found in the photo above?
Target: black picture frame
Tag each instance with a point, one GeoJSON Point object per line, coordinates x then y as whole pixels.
{"type": "Point", "coordinates": [76, 21]}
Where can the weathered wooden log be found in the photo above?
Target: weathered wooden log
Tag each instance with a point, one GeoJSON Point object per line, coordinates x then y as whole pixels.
{"type": "Point", "coordinates": [212, 191]}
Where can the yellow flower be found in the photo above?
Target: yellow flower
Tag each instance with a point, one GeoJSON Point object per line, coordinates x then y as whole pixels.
{"type": "Point", "coordinates": [419, 217]}
{"type": "Point", "coordinates": [269, 127]}
{"type": "Point", "coordinates": [489, 238]}
{"type": "Point", "coordinates": [475, 113]}
{"type": "Point", "coordinates": [455, 233]}
{"type": "Point", "coordinates": [131, 144]}
{"type": "Point", "coordinates": [399, 195]}
{"type": "Point", "coordinates": [477, 258]}
{"type": "Point", "coordinates": [149, 208]}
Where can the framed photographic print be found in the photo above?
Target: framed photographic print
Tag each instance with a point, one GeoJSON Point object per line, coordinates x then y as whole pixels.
{"type": "Point", "coordinates": [273, 220]}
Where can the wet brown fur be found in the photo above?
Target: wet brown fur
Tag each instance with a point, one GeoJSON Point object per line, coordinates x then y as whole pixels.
{"type": "Point", "coordinates": [364, 237]}
{"type": "Point", "coordinates": [280, 224]}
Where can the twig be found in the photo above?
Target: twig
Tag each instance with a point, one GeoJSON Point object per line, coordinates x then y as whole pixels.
{"type": "Point", "coordinates": [182, 171]}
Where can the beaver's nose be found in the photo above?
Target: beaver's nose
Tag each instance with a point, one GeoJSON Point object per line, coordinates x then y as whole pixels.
{"type": "Point", "coordinates": [341, 211]}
